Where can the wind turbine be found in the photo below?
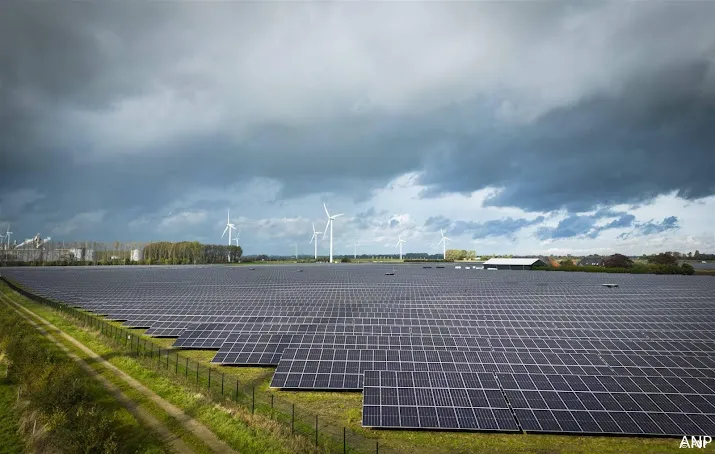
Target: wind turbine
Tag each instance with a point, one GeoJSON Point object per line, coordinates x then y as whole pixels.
{"type": "Point", "coordinates": [355, 245]}
{"type": "Point", "coordinates": [399, 243]}
{"type": "Point", "coordinates": [315, 237]}
{"type": "Point", "coordinates": [330, 224]}
{"type": "Point", "coordinates": [7, 234]}
{"type": "Point", "coordinates": [228, 229]}
{"type": "Point", "coordinates": [444, 244]}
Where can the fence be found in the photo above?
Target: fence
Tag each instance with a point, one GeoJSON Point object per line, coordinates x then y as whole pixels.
{"type": "Point", "coordinates": [220, 387]}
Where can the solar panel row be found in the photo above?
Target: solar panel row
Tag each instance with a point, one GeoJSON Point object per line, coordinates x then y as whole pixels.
{"type": "Point", "coordinates": [564, 353]}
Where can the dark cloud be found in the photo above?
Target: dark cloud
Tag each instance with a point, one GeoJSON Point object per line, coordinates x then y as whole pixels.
{"type": "Point", "coordinates": [66, 65]}
{"type": "Point", "coordinates": [653, 138]}
{"type": "Point", "coordinates": [435, 223]}
{"type": "Point", "coordinates": [584, 226]}
{"type": "Point", "coordinates": [650, 227]}
{"type": "Point", "coordinates": [506, 227]}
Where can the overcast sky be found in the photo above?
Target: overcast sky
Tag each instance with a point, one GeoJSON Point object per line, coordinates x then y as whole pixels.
{"type": "Point", "coordinates": [534, 127]}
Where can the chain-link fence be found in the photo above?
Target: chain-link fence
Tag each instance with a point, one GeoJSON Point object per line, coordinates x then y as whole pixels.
{"type": "Point", "coordinates": [325, 435]}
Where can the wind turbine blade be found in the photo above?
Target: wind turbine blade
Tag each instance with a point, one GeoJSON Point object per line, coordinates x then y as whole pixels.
{"type": "Point", "coordinates": [326, 209]}
{"type": "Point", "coordinates": [224, 231]}
{"type": "Point", "coordinates": [311, 238]}
{"type": "Point", "coordinates": [313, 227]}
{"type": "Point", "coordinates": [338, 215]}
{"type": "Point", "coordinates": [326, 227]}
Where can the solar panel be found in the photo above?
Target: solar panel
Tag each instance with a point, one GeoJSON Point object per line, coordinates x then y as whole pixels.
{"type": "Point", "coordinates": [665, 406]}
{"type": "Point", "coordinates": [652, 336]}
{"type": "Point", "coordinates": [435, 400]}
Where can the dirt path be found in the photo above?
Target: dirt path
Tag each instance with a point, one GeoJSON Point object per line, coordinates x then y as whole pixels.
{"type": "Point", "coordinates": [189, 423]}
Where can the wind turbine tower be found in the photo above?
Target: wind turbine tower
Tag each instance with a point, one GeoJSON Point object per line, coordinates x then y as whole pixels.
{"type": "Point", "coordinates": [444, 244]}
{"type": "Point", "coordinates": [399, 243]}
{"type": "Point", "coordinates": [330, 224]}
{"type": "Point", "coordinates": [228, 229]}
{"type": "Point", "coordinates": [315, 237]}
{"type": "Point", "coordinates": [355, 245]}
{"type": "Point", "coordinates": [7, 234]}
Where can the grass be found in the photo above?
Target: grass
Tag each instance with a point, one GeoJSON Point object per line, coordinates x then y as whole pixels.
{"type": "Point", "coordinates": [133, 435]}
{"type": "Point", "coordinates": [241, 431]}
{"type": "Point", "coordinates": [345, 408]}
{"type": "Point", "coordinates": [10, 440]}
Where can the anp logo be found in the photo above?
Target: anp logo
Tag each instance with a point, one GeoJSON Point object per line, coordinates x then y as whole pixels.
{"type": "Point", "coordinates": [700, 441]}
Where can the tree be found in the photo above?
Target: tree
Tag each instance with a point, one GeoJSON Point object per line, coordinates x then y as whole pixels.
{"type": "Point", "coordinates": [618, 261]}
{"type": "Point", "coordinates": [687, 268]}
{"type": "Point", "coordinates": [664, 258]}
{"type": "Point", "coordinates": [455, 254]}
{"type": "Point", "coordinates": [690, 254]}
{"type": "Point", "coordinates": [565, 263]}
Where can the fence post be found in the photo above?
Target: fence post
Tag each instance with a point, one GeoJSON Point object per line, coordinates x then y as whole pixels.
{"type": "Point", "coordinates": [222, 377]}
{"type": "Point", "coordinates": [377, 447]}
{"type": "Point", "coordinates": [253, 399]}
{"type": "Point", "coordinates": [176, 366]}
{"type": "Point", "coordinates": [271, 405]}
{"type": "Point", "coordinates": [209, 380]}
{"type": "Point", "coordinates": [345, 449]}
{"type": "Point", "coordinates": [186, 371]}
{"type": "Point", "coordinates": [292, 419]}
{"type": "Point", "coordinates": [167, 358]}
{"type": "Point", "coordinates": [197, 373]}
{"type": "Point", "coordinates": [236, 396]}
{"type": "Point", "coordinates": [316, 430]}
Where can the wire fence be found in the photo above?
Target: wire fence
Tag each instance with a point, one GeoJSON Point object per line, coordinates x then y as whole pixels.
{"type": "Point", "coordinates": [325, 435]}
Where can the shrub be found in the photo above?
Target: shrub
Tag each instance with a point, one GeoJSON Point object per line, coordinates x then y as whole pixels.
{"type": "Point", "coordinates": [617, 261]}
{"type": "Point", "coordinates": [687, 268]}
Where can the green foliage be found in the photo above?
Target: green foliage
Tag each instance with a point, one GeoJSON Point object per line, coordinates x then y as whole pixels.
{"type": "Point", "coordinates": [69, 405]}
{"type": "Point", "coordinates": [665, 258]}
{"type": "Point", "coordinates": [345, 260]}
{"type": "Point", "coordinates": [189, 252]}
{"type": "Point", "coordinates": [617, 261]}
{"type": "Point", "coordinates": [634, 269]}
{"type": "Point", "coordinates": [687, 268]}
{"type": "Point", "coordinates": [566, 263]}
{"type": "Point", "coordinates": [457, 254]}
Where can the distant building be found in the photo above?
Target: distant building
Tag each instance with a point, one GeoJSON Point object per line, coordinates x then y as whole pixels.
{"type": "Point", "coordinates": [513, 264]}
{"type": "Point", "coordinates": [591, 260]}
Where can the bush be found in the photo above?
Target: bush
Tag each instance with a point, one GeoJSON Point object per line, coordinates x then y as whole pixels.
{"type": "Point", "coordinates": [345, 260]}
{"type": "Point", "coordinates": [687, 268]}
{"type": "Point", "coordinates": [665, 258]}
{"type": "Point", "coordinates": [617, 261]}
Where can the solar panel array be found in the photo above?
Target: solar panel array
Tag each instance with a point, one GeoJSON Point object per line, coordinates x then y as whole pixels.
{"type": "Point", "coordinates": [532, 351]}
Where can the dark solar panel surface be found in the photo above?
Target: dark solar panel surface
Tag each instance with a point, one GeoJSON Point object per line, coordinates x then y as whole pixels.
{"type": "Point", "coordinates": [330, 326]}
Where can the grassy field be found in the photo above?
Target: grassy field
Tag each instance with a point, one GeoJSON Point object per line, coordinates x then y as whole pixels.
{"type": "Point", "coordinates": [244, 433]}
{"type": "Point", "coordinates": [342, 408]}
{"type": "Point", "coordinates": [10, 440]}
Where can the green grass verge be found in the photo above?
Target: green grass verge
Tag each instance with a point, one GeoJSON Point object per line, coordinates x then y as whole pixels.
{"type": "Point", "coordinates": [131, 435]}
{"type": "Point", "coordinates": [241, 431]}
{"type": "Point", "coordinates": [345, 408]}
{"type": "Point", "coordinates": [10, 440]}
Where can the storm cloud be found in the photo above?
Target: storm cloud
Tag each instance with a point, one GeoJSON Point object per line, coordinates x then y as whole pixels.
{"type": "Point", "coordinates": [112, 114]}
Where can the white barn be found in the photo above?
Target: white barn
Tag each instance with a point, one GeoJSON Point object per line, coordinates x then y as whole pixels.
{"type": "Point", "coordinates": [513, 264]}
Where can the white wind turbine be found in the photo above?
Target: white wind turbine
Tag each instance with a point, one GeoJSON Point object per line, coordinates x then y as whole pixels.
{"type": "Point", "coordinates": [444, 244]}
{"type": "Point", "coordinates": [355, 245]}
{"type": "Point", "coordinates": [330, 224]}
{"type": "Point", "coordinates": [7, 234]}
{"type": "Point", "coordinates": [228, 229]}
{"type": "Point", "coordinates": [399, 243]}
{"type": "Point", "coordinates": [315, 237]}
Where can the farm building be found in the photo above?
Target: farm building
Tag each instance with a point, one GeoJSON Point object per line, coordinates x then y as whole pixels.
{"type": "Point", "coordinates": [591, 260]}
{"type": "Point", "coordinates": [513, 264]}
